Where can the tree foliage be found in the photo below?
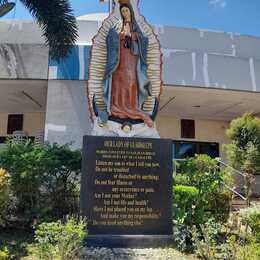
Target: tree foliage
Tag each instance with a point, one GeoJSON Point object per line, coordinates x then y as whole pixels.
{"type": "Point", "coordinates": [204, 194]}
{"type": "Point", "coordinates": [44, 179]}
{"type": "Point", "coordinates": [244, 151]}
{"type": "Point", "coordinates": [251, 217]}
{"type": "Point", "coordinates": [5, 196]}
{"type": "Point", "coordinates": [25, 162]}
{"type": "Point", "coordinates": [61, 179]}
{"type": "Point", "coordinates": [57, 22]}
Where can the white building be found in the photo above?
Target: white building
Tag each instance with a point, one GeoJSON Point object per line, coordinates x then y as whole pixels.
{"type": "Point", "coordinates": [209, 79]}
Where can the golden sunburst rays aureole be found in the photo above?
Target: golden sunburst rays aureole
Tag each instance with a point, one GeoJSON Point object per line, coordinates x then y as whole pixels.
{"type": "Point", "coordinates": [154, 64]}
{"type": "Point", "coordinates": [98, 62]}
{"type": "Point", "coordinates": [97, 65]}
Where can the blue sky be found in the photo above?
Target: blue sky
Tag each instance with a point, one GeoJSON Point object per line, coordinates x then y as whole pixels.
{"type": "Point", "coordinates": [241, 16]}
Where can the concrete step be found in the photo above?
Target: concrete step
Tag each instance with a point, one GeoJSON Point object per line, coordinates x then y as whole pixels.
{"type": "Point", "coordinates": [238, 203]}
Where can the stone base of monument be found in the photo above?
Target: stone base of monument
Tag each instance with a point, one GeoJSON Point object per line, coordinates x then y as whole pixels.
{"type": "Point", "coordinates": [129, 241]}
{"type": "Point", "coordinates": [114, 129]}
{"type": "Point", "coordinates": [126, 191]}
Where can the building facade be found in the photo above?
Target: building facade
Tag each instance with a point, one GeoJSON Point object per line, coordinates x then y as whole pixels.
{"type": "Point", "coordinates": [209, 79]}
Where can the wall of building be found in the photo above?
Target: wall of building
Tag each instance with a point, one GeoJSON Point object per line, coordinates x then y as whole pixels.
{"type": "Point", "coordinates": [20, 32]}
{"type": "Point", "coordinates": [195, 57]}
{"type": "Point", "coordinates": [205, 130]}
{"type": "Point", "coordinates": [191, 57]}
{"type": "Point", "coordinates": [32, 123]}
{"type": "Point", "coordinates": [23, 61]}
{"type": "Point", "coordinates": [67, 117]}
{"type": "Point", "coordinates": [28, 32]}
{"type": "Point", "coordinates": [3, 124]}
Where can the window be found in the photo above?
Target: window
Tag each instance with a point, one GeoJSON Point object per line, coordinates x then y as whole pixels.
{"type": "Point", "coordinates": [185, 149]}
{"type": "Point", "coordinates": [211, 149]}
{"type": "Point", "coordinates": [187, 128]}
{"type": "Point", "coordinates": [15, 123]}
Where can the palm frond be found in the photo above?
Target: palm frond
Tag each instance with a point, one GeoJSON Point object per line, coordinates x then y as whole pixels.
{"type": "Point", "coordinates": [57, 22]}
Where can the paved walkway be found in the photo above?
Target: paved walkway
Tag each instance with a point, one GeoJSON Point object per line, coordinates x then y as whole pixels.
{"type": "Point", "coordinates": [133, 254]}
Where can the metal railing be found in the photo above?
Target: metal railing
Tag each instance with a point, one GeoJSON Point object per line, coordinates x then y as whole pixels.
{"type": "Point", "coordinates": [230, 167]}
{"type": "Point", "coordinates": [235, 171]}
{"type": "Point", "coordinates": [233, 190]}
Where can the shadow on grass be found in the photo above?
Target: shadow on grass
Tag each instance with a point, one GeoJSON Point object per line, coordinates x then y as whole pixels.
{"type": "Point", "coordinates": [16, 241]}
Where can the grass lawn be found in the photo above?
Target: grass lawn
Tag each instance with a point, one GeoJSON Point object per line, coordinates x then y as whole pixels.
{"type": "Point", "coordinates": [16, 241]}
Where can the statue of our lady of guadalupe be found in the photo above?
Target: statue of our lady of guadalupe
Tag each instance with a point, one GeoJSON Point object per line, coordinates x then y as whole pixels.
{"type": "Point", "coordinates": [125, 75]}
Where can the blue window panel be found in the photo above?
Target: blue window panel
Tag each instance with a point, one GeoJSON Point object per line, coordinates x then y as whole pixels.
{"type": "Point", "coordinates": [73, 67]}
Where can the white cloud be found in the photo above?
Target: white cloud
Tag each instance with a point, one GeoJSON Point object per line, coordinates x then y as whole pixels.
{"type": "Point", "coordinates": [218, 3]}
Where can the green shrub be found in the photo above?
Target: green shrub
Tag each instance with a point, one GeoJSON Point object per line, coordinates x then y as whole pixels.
{"type": "Point", "coordinates": [230, 241]}
{"type": "Point", "coordinates": [57, 240]}
{"type": "Point", "coordinates": [44, 180]}
{"type": "Point", "coordinates": [243, 152]}
{"type": "Point", "coordinates": [251, 217]}
{"type": "Point", "coordinates": [184, 203]}
{"type": "Point", "coordinates": [182, 237]}
{"type": "Point", "coordinates": [181, 179]}
{"type": "Point", "coordinates": [202, 196]}
{"type": "Point", "coordinates": [4, 253]}
{"type": "Point", "coordinates": [4, 195]}
{"type": "Point", "coordinates": [247, 252]}
{"type": "Point", "coordinates": [204, 173]}
{"type": "Point", "coordinates": [62, 180]}
{"type": "Point", "coordinates": [219, 205]}
{"type": "Point", "coordinates": [25, 163]}
{"type": "Point", "coordinates": [209, 242]}
{"type": "Point", "coordinates": [243, 249]}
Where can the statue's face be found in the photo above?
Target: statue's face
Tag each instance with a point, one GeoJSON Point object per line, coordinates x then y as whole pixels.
{"type": "Point", "coordinates": [126, 13]}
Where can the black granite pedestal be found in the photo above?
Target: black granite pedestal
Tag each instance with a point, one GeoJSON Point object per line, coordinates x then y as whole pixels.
{"type": "Point", "coordinates": [129, 241]}
{"type": "Point", "coordinates": [126, 191]}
